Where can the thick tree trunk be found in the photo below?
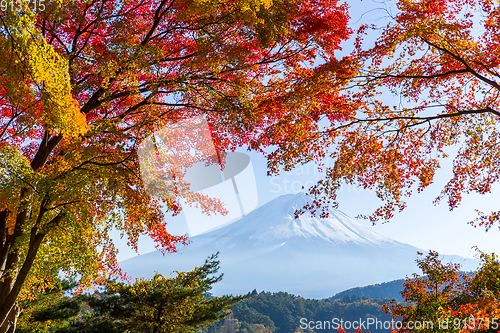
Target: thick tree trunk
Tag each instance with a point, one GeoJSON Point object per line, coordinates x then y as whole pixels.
{"type": "Point", "coordinates": [4, 247]}
{"type": "Point", "coordinates": [7, 257]}
{"type": "Point", "coordinates": [10, 291]}
{"type": "Point", "coordinates": [6, 286]}
{"type": "Point", "coordinates": [9, 265]}
{"type": "Point", "coordinates": [12, 278]}
{"type": "Point", "coordinates": [12, 275]}
{"type": "Point", "coordinates": [9, 326]}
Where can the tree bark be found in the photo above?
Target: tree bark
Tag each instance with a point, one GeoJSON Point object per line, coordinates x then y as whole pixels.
{"type": "Point", "coordinates": [9, 326]}
{"type": "Point", "coordinates": [11, 277]}
{"type": "Point", "coordinates": [6, 253]}
{"type": "Point", "coordinates": [12, 290]}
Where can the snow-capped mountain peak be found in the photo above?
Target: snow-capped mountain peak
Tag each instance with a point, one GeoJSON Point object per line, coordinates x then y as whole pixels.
{"type": "Point", "coordinates": [275, 222]}
{"type": "Point", "coordinates": [270, 250]}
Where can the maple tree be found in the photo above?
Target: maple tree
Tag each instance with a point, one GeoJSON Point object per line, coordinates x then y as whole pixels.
{"type": "Point", "coordinates": [85, 82]}
{"type": "Point", "coordinates": [449, 300]}
{"type": "Point", "coordinates": [440, 286]}
{"type": "Point", "coordinates": [429, 82]}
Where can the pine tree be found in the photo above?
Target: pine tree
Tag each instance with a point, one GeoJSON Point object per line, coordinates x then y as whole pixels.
{"type": "Point", "coordinates": [158, 305]}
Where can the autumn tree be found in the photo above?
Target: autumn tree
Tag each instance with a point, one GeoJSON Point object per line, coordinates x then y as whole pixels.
{"type": "Point", "coordinates": [52, 309]}
{"type": "Point", "coordinates": [440, 286]}
{"type": "Point", "coordinates": [85, 82]}
{"type": "Point", "coordinates": [449, 300]}
{"type": "Point", "coordinates": [431, 81]}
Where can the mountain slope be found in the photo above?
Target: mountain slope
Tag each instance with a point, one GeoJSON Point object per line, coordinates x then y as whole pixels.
{"type": "Point", "coordinates": [270, 250]}
{"type": "Point", "coordinates": [389, 290]}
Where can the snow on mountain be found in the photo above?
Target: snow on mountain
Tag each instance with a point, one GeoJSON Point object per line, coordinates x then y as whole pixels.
{"type": "Point", "coordinates": [270, 250]}
{"type": "Point", "coordinates": [275, 221]}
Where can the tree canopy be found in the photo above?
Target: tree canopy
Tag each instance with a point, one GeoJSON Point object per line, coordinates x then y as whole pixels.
{"type": "Point", "coordinates": [83, 83]}
{"type": "Point", "coordinates": [429, 82]}
{"type": "Point", "coordinates": [444, 299]}
{"type": "Point", "coordinates": [181, 303]}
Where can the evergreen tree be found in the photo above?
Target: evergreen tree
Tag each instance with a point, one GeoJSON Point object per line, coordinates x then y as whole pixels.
{"type": "Point", "coordinates": [51, 311]}
{"type": "Point", "coordinates": [158, 305]}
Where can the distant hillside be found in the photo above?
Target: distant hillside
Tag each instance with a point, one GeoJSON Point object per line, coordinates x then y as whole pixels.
{"type": "Point", "coordinates": [282, 312]}
{"type": "Point", "coordinates": [389, 290]}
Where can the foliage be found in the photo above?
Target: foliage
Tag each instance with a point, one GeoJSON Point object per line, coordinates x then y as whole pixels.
{"type": "Point", "coordinates": [176, 304]}
{"type": "Point", "coordinates": [429, 83]}
{"type": "Point", "coordinates": [451, 300]}
{"type": "Point", "coordinates": [84, 83]}
{"type": "Point", "coordinates": [440, 286]}
{"type": "Point", "coordinates": [282, 312]}
{"type": "Point", "coordinates": [51, 311]}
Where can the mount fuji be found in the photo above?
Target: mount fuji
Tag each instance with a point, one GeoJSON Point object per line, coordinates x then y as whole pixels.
{"type": "Point", "coordinates": [270, 250]}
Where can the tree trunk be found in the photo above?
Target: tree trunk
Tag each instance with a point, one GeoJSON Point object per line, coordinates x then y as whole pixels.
{"type": "Point", "coordinates": [9, 326]}
{"type": "Point", "coordinates": [12, 275]}
{"type": "Point", "coordinates": [10, 287]}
